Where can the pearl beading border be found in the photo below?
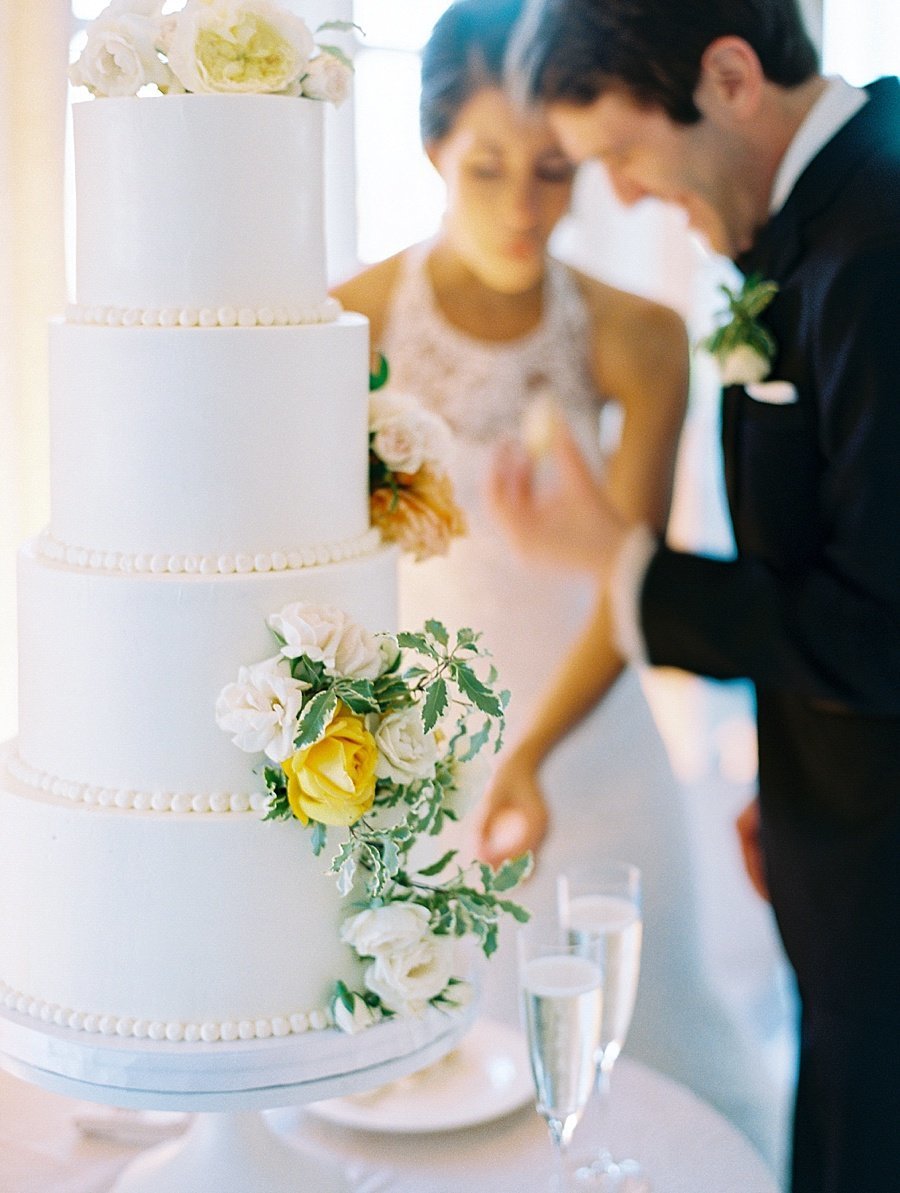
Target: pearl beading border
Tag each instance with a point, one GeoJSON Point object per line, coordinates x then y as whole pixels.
{"type": "Point", "coordinates": [162, 563]}
{"type": "Point", "coordinates": [165, 1031]}
{"type": "Point", "coordinates": [224, 316]}
{"type": "Point", "coordinates": [126, 800]}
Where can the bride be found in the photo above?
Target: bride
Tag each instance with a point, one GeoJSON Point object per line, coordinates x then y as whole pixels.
{"type": "Point", "coordinates": [478, 323]}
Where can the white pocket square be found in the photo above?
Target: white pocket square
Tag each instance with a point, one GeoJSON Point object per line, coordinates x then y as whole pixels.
{"type": "Point", "coordinates": [776, 393]}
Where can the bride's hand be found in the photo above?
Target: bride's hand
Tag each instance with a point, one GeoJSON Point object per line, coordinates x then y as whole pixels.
{"type": "Point", "coordinates": [570, 520]}
{"type": "Point", "coordinates": [512, 817]}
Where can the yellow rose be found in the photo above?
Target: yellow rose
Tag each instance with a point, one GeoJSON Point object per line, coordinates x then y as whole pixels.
{"type": "Point", "coordinates": [333, 780]}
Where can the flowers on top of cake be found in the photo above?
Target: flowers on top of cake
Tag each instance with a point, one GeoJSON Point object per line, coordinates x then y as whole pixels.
{"type": "Point", "coordinates": [373, 734]}
{"type": "Point", "coordinates": [210, 46]}
{"type": "Point", "coordinates": [411, 495]}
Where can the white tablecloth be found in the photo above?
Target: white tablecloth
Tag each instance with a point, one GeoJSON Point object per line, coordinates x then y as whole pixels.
{"type": "Point", "coordinates": [684, 1146]}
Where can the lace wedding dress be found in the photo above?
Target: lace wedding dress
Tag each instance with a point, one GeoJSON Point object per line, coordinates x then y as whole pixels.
{"type": "Point", "coordinates": [610, 788]}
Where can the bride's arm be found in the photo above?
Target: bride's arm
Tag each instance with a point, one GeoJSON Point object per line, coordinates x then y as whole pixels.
{"type": "Point", "coordinates": [640, 359]}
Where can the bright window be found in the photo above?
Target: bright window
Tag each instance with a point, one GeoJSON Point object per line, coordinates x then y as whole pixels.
{"type": "Point", "coordinates": [861, 39]}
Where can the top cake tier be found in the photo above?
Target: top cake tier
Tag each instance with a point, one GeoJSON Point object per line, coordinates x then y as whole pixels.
{"type": "Point", "coordinates": [200, 201]}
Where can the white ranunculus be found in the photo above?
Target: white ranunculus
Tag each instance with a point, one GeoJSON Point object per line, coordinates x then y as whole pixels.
{"type": "Point", "coordinates": [238, 46]}
{"type": "Point", "coordinates": [405, 751]}
{"type": "Point", "coordinates": [406, 435]}
{"type": "Point", "coordinates": [385, 930]}
{"type": "Point", "coordinates": [326, 634]}
{"type": "Point", "coordinates": [743, 366]}
{"type": "Point", "coordinates": [121, 52]}
{"type": "Point", "coordinates": [407, 979]}
{"type": "Point", "coordinates": [351, 1022]}
{"type": "Point", "coordinates": [260, 710]}
{"type": "Point", "coordinates": [328, 79]}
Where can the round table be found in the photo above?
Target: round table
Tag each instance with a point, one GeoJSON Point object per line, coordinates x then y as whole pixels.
{"type": "Point", "coordinates": [683, 1144]}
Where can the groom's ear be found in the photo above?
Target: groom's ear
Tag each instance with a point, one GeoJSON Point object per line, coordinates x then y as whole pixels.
{"type": "Point", "coordinates": [731, 80]}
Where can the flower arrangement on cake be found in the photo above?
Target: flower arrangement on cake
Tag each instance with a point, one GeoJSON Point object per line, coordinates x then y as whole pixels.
{"type": "Point", "coordinates": [211, 46]}
{"type": "Point", "coordinates": [372, 733]}
{"type": "Point", "coordinates": [411, 495]}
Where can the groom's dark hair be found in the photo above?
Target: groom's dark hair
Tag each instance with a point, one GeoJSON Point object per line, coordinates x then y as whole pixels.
{"type": "Point", "coordinates": [572, 51]}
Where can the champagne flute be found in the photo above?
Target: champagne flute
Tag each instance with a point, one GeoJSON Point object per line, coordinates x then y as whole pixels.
{"type": "Point", "coordinates": [600, 911]}
{"type": "Point", "coordinates": [562, 1009]}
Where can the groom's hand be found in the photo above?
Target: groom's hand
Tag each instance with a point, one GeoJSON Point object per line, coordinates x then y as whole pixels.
{"type": "Point", "coordinates": [566, 517]}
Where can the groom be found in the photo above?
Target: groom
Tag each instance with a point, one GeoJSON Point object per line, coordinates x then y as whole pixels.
{"type": "Point", "coordinates": [718, 106]}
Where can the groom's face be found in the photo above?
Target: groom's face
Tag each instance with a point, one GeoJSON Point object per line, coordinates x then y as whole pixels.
{"type": "Point", "coordinates": [647, 154]}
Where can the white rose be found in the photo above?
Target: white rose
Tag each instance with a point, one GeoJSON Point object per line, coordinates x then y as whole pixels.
{"type": "Point", "coordinates": [239, 46]}
{"type": "Point", "coordinates": [328, 79]}
{"type": "Point", "coordinates": [407, 980]}
{"type": "Point", "coordinates": [406, 435]}
{"type": "Point", "coordinates": [405, 751]}
{"type": "Point", "coordinates": [261, 709]}
{"type": "Point", "coordinates": [351, 1022]}
{"type": "Point", "coordinates": [388, 929]}
{"type": "Point", "coordinates": [359, 653]}
{"type": "Point", "coordinates": [743, 366]}
{"type": "Point", "coordinates": [121, 52]}
{"type": "Point", "coordinates": [327, 635]}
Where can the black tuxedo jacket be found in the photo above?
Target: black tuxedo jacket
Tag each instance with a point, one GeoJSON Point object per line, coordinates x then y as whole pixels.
{"type": "Point", "coordinates": [810, 608]}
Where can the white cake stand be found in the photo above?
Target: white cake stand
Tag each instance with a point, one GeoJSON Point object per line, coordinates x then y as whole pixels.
{"type": "Point", "coordinates": [229, 1148]}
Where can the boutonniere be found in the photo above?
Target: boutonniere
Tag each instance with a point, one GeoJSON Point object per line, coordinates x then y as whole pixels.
{"type": "Point", "coordinates": [743, 348]}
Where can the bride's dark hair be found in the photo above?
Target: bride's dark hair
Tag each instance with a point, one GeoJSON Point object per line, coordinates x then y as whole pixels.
{"type": "Point", "coordinates": [464, 53]}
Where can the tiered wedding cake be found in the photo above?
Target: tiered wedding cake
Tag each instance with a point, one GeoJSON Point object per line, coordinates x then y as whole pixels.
{"type": "Point", "coordinates": [210, 466]}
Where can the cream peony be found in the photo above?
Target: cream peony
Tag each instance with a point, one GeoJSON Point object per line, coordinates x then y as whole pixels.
{"type": "Point", "coordinates": [121, 52]}
{"type": "Point", "coordinates": [743, 366]}
{"type": "Point", "coordinates": [326, 634]}
{"type": "Point", "coordinates": [385, 930]}
{"type": "Point", "coordinates": [239, 46]}
{"type": "Point", "coordinates": [407, 980]}
{"type": "Point", "coordinates": [328, 79]}
{"type": "Point", "coordinates": [261, 709]}
{"type": "Point", "coordinates": [406, 753]}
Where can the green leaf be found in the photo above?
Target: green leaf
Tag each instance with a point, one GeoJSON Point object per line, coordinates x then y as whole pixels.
{"type": "Point", "coordinates": [379, 378]}
{"type": "Point", "coordinates": [511, 873]}
{"type": "Point", "coordinates": [340, 26]}
{"type": "Point", "coordinates": [477, 742]}
{"type": "Point", "coordinates": [438, 631]}
{"type": "Point", "coordinates": [343, 995]}
{"type": "Point", "coordinates": [435, 705]}
{"type": "Point", "coordinates": [441, 864]}
{"type": "Point", "coordinates": [318, 837]}
{"type": "Point", "coordinates": [480, 695]}
{"type": "Point", "coordinates": [307, 671]}
{"type": "Point", "coordinates": [314, 718]}
{"type": "Point", "coordinates": [357, 694]}
{"type": "Point", "coordinates": [520, 914]}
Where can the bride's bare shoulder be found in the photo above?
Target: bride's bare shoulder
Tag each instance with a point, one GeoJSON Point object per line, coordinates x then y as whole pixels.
{"type": "Point", "coordinates": [369, 292]}
{"type": "Point", "coordinates": [634, 339]}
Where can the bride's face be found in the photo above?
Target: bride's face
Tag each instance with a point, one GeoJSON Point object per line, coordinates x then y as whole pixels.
{"type": "Point", "coordinates": [508, 182]}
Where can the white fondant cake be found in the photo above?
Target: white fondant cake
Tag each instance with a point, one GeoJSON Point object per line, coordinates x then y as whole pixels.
{"type": "Point", "coordinates": [209, 466]}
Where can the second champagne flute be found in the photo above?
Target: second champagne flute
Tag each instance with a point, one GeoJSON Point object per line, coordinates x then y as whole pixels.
{"type": "Point", "coordinates": [600, 911]}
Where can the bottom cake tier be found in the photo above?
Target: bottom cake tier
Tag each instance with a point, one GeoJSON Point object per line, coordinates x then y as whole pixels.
{"type": "Point", "coordinates": [182, 927]}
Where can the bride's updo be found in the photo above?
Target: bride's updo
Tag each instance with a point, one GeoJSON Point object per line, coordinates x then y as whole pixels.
{"type": "Point", "coordinates": [464, 53]}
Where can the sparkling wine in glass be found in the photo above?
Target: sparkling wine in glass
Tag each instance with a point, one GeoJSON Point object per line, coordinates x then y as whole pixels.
{"type": "Point", "coordinates": [562, 1009]}
{"type": "Point", "coordinates": [600, 910]}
